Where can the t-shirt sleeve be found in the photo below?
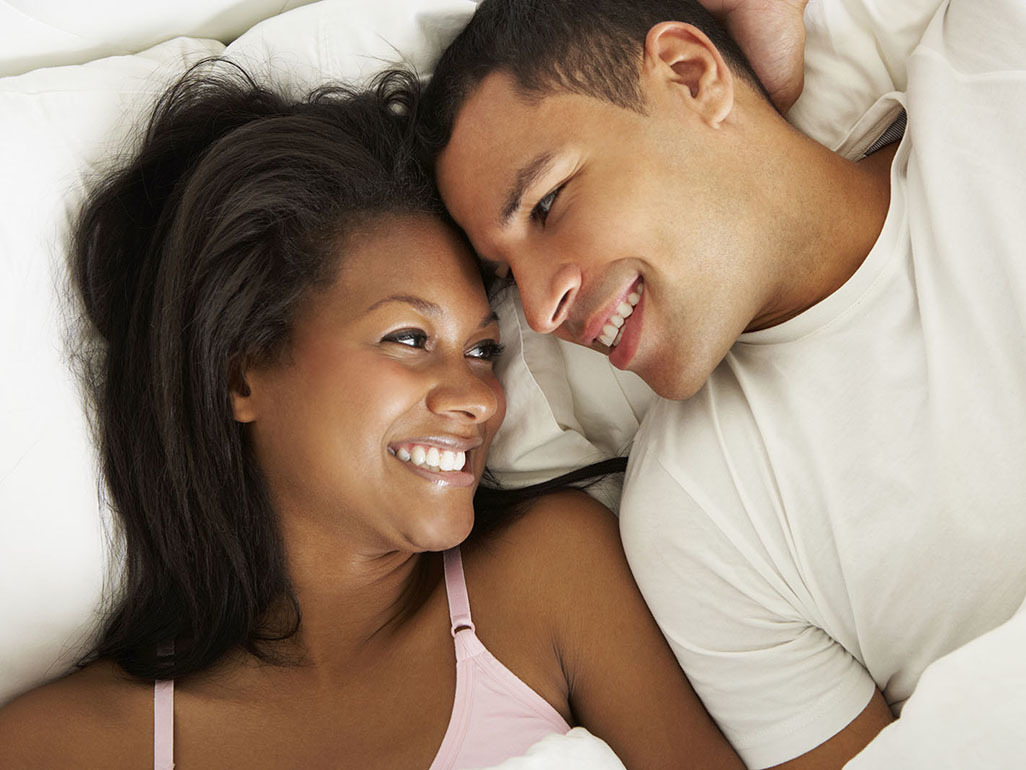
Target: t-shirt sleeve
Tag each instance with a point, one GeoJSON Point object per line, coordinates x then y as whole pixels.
{"type": "Point", "coordinates": [774, 680]}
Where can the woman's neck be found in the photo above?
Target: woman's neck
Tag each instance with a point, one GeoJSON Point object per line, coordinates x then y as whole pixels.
{"type": "Point", "coordinates": [353, 599]}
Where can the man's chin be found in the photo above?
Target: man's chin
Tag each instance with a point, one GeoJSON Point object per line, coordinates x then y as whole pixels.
{"type": "Point", "coordinates": [674, 383]}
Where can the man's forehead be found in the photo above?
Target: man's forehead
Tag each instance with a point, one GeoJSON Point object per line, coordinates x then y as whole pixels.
{"type": "Point", "coordinates": [500, 88]}
{"type": "Point", "coordinates": [493, 121]}
{"type": "Point", "coordinates": [494, 143]}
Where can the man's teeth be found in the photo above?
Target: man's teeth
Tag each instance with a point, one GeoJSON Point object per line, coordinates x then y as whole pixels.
{"type": "Point", "coordinates": [612, 332]}
{"type": "Point", "coordinates": [432, 458]}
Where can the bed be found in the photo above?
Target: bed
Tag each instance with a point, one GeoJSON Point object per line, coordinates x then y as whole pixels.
{"type": "Point", "coordinates": [75, 80]}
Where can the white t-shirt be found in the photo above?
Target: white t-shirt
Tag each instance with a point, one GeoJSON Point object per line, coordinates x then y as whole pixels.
{"type": "Point", "coordinates": [844, 501]}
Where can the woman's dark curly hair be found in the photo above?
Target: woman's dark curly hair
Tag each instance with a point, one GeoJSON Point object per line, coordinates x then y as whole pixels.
{"type": "Point", "coordinates": [190, 261]}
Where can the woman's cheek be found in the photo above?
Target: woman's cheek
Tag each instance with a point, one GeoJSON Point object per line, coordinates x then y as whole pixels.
{"type": "Point", "coordinates": [383, 384]}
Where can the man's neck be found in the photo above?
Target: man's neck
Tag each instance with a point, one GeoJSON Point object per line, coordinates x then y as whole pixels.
{"type": "Point", "coordinates": [835, 211]}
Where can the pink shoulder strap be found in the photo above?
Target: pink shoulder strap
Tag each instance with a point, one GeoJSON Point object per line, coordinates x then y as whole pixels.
{"type": "Point", "coordinates": [163, 724]}
{"type": "Point", "coordinates": [456, 589]}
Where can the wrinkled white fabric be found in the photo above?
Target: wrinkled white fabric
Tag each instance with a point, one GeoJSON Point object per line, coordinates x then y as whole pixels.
{"type": "Point", "coordinates": [968, 710]}
{"type": "Point", "coordinates": [575, 750]}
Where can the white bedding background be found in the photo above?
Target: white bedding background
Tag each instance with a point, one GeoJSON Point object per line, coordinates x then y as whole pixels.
{"type": "Point", "coordinates": [75, 78]}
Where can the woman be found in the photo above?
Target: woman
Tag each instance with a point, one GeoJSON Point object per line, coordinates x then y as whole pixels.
{"type": "Point", "coordinates": [294, 399]}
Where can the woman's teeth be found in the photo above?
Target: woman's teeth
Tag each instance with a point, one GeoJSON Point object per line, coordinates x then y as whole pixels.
{"type": "Point", "coordinates": [612, 332]}
{"type": "Point", "coordinates": [432, 458]}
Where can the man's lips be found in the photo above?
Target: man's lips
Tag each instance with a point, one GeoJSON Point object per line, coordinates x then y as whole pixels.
{"type": "Point", "coordinates": [593, 329]}
{"type": "Point", "coordinates": [623, 353]}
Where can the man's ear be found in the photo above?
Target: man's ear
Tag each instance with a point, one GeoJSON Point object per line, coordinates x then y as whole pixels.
{"type": "Point", "coordinates": [681, 58]}
{"type": "Point", "coordinates": [243, 403]}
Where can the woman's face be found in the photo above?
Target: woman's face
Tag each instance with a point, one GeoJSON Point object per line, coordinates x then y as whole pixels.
{"type": "Point", "coordinates": [377, 421]}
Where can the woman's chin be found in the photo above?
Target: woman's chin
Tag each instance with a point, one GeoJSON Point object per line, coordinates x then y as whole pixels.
{"type": "Point", "coordinates": [443, 532]}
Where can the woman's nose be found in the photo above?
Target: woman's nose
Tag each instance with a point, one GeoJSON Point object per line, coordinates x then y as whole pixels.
{"type": "Point", "coordinates": [467, 395]}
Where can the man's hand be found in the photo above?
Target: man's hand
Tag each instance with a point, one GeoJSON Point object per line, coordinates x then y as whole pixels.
{"type": "Point", "coordinates": [771, 34]}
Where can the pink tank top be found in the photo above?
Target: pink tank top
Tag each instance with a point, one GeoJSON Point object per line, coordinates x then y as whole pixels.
{"type": "Point", "coordinates": [495, 715]}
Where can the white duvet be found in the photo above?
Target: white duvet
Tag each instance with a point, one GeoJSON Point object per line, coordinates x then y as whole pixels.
{"type": "Point", "coordinates": [577, 750]}
{"type": "Point", "coordinates": [968, 710]}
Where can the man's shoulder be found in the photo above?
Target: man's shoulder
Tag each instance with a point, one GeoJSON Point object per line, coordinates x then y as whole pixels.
{"type": "Point", "coordinates": [705, 475]}
{"type": "Point", "coordinates": [693, 439]}
{"type": "Point", "coordinates": [662, 427]}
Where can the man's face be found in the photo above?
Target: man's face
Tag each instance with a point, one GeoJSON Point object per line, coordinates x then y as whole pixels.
{"type": "Point", "coordinates": [624, 231]}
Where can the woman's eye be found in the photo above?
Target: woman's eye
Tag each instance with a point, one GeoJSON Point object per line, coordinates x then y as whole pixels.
{"type": "Point", "coordinates": [412, 338]}
{"type": "Point", "coordinates": [541, 210]}
{"type": "Point", "coordinates": [489, 350]}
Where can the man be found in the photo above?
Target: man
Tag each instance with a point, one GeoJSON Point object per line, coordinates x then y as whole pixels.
{"type": "Point", "coordinates": [833, 493]}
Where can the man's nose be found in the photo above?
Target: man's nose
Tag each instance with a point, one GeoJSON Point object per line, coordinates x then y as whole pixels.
{"type": "Point", "coordinates": [547, 296]}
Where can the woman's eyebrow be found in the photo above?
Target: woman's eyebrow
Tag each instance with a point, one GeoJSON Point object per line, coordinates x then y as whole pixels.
{"type": "Point", "coordinates": [422, 305]}
{"type": "Point", "coordinates": [525, 177]}
{"type": "Point", "coordinates": [427, 308]}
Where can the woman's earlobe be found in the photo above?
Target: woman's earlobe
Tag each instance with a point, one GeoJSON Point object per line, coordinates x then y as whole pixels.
{"type": "Point", "coordinates": [243, 407]}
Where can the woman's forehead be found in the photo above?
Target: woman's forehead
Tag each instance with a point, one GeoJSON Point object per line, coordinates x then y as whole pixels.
{"type": "Point", "coordinates": [419, 260]}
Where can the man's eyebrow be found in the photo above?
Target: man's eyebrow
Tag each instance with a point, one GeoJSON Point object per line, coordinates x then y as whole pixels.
{"type": "Point", "coordinates": [422, 305]}
{"type": "Point", "coordinates": [491, 317]}
{"type": "Point", "coordinates": [525, 177]}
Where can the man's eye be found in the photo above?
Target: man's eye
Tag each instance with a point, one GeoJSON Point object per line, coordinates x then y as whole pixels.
{"type": "Point", "coordinates": [413, 338]}
{"type": "Point", "coordinates": [489, 350]}
{"type": "Point", "coordinates": [541, 210]}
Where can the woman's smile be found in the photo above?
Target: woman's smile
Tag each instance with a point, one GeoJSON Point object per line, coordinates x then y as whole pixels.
{"type": "Point", "coordinates": [444, 460]}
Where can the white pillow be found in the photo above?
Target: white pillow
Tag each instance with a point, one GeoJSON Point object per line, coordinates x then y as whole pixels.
{"type": "Point", "coordinates": [855, 52]}
{"type": "Point", "coordinates": [343, 40]}
{"type": "Point", "coordinates": [57, 126]}
{"type": "Point", "coordinates": [48, 33]}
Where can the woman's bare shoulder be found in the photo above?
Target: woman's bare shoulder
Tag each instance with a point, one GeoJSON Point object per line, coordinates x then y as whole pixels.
{"type": "Point", "coordinates": [549, 553]}
{"type": "Point", "coordinates": [97, 716]}
{"type": "Point", "coordinates": [567, 524]}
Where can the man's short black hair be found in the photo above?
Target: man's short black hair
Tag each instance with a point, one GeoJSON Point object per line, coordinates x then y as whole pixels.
{"type": "Point", "coordinates": [589, 47]}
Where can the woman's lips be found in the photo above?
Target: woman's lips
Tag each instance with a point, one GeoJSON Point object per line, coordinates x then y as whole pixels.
{"type": "Point", "coordinates": [442, 478]}
{"type": "Point", "coordinates": [442, 460]}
